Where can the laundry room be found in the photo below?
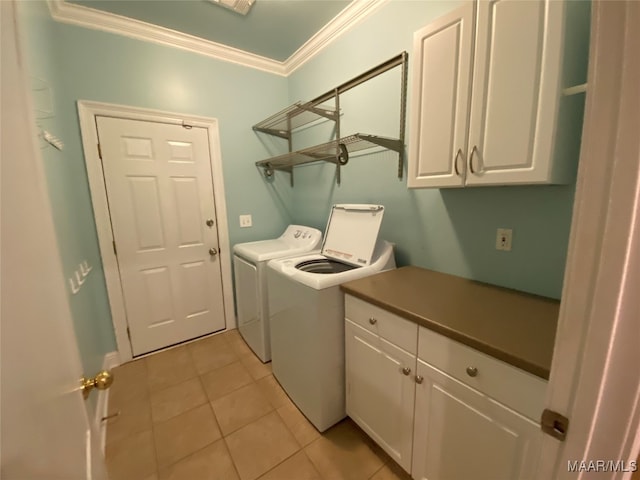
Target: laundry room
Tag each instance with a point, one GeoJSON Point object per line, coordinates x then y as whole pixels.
{"type": "Point", "coordinates": [447, 230]}
{"type": "Point", "coordinates": [100, 79]}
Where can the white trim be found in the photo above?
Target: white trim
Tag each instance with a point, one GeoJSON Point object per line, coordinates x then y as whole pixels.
{"type": "Point", "coordinates": [574, 90]}
{"type": "Point", "coordinates": [111, 360]}
{"type": "Point", "coordinates": [87, 111]}
{"type": "Point", "coordinates": [595, 375]}
{"type": "Point", "coordinates": [87, 17]}
{"type": "Point", "coordinates": [353, 14]}
{"type": "Point", "coordinates": [82, 16]}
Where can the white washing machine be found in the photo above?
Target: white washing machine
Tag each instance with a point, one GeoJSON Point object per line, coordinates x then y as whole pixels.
{"type": "Point", "coordinates": [250, 263]}
{"type": "Point", "coordinates": [307, 310]}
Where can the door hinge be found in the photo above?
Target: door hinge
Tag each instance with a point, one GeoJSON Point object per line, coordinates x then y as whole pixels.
{"type": "Point", "coordinates": [554, 424]}
{"type": "Point", "coordinates": [129, 333]}
{"type": "Point", "coordinates": [100, 151]}
{"type": "Point", "coordinates": [115, 250]}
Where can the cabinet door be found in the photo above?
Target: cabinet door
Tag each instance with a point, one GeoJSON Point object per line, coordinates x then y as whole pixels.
{"type": "Point", "coordinates": [440, 100]}
{"type": "Point", "coordinates": [516, 89]}
{"type": "Point", "coordinates": [380, 397]}
{"type": "Point", "coordinates": [461, 433]}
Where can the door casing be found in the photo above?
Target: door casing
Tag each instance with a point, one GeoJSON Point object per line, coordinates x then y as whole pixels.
{"type": "Point", "coordinates": [87, 111]}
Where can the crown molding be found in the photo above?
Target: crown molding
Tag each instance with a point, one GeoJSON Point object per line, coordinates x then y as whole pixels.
{"type": "Point", "coordinates": [353, 14]}
{"type": "Point", "coordinates": [82, 16]}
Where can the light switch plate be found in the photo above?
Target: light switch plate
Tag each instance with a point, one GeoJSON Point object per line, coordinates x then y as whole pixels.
{"type": "Point", "coordinates": [503, 239]}
{"type": "Point", "coordinates": [245, 221]}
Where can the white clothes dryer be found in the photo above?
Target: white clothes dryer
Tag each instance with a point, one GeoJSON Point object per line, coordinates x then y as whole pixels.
{"type": "Point", "coordinates": [250, 263]}
{"type": "Point", "coordinates": [307, 310]}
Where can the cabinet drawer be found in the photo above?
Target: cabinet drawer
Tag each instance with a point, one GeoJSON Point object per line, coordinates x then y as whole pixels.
{"type": "Point", "coordinates": [396, 330]}
{"type": "Point", "coordinates": [517, 389]}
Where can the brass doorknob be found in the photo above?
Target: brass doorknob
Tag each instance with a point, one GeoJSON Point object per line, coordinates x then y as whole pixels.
{"type": "Point", "coordinates": [101, 381]}
{"type": "Point", "coordinates": [213, 252]}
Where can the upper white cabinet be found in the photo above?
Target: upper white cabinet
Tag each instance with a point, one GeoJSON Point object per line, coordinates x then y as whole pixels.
{"type": "Point", "coordinates": [486, 95]}
{"type": "Point", "coordinates": [442, 55]}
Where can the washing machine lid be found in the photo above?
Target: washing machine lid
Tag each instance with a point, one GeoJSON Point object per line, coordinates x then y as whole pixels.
{"type": "Point", "coordinates": [352, 232]}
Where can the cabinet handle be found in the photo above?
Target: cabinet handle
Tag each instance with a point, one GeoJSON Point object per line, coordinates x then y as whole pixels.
{"type": "Point", "coordinates": [373, 321]}
{"type": "Point", "coordinates": [419, 379]}
{"type": "Point", "coordinates": [455, 161]}
{"type": "Point", "coordinates": [406, 370]}
{"type": "Point", "coordinates": [472, 371]}
{"type": "Point", "coordinates": [473, 150]}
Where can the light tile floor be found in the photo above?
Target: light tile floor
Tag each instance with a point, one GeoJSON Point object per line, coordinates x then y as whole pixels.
{"type": "Point", "coordinates": [212, 410]}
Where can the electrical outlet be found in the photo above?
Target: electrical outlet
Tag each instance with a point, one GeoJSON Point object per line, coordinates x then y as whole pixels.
{"type": "Point", "coordinates": [245, 221]}
{"type": "Point", "coordinates": [503, 239]}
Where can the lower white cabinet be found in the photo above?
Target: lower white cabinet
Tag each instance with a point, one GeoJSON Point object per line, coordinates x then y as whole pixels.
{"type": "Point", "coordinates": [440, 409]}
{"type": "Point", "coordinates": [461, 433]}
{"type": "Point", "coordinates": [380, 391]}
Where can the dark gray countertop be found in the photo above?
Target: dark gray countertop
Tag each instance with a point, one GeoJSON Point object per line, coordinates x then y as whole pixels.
{"type": "Point", "coordinates": [512, 326]}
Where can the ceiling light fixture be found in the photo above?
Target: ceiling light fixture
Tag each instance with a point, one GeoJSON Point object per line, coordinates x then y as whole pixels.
{"type": "Point", "coordinates": [239, 6]}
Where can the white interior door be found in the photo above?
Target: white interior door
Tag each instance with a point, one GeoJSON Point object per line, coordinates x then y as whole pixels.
{"type": "Point", "coordinates": [160, 194]}
{"type": "Point", "coordinates": [45, 430]}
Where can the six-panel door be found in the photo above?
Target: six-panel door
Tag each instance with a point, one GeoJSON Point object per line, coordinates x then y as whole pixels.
{"type": "Point", "coordinates": [160, 194]}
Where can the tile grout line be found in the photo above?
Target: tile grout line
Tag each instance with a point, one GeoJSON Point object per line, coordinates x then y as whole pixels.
{"type": "Point", "coordinates": [377, 471]}
{"type": "Point", "coordinates": [230, 392]}
{"type": "Point", "coordinates": [233, 462]}
{"type": "Point", "coordinates": [278, 464]}
{"type": "Point", "coordinates": [153, 432]}
{"type": "Point", "coordinates": [199, 449]}
{"type": "Point", "coordinates": [239, 358]}
{"type": "Point", "coordinates": [246, 424]}
{"type": "Point", "coordinates": [153, 424]}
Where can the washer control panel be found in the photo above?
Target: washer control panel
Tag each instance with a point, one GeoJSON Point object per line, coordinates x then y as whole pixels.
{"type": "Point", "coordinates": [299, 235]}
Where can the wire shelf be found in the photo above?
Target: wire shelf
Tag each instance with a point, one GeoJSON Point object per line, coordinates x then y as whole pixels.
{"type": "Point", "coordinates": [330, 151]}
{"type": "Point", "coordinates": [283, 123]}
{"type": "Point", "coordinates": [295, 116]}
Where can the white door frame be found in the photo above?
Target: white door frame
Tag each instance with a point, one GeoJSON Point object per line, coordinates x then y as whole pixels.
{"type": "Point", "coordinates": [87, 112]}
{"type": "Point", "coordinates": [595, 375]}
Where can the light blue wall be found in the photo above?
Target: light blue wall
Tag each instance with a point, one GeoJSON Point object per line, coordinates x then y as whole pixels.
{"type": "Point", "coordinates": [452, 230]}
{"type": "Point", "coordinates": [82, 64]}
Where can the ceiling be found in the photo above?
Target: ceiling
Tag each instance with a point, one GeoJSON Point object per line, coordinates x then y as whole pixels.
{"type": "Point", "coordinates": [273, 28]}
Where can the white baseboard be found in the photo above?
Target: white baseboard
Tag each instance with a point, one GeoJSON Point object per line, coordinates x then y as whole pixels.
{"type": "Point", "coordinates": [111, 360]}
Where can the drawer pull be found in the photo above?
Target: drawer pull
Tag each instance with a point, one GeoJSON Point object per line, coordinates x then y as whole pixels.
{"type": "Point", "coordinates": [406, 370]}
{"type": "Point", "coordinates": [419, 379]}
{"type": "Point", "coordinates": [373, 321]}
{"type": "Point", "coordinates": [472, 371]}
